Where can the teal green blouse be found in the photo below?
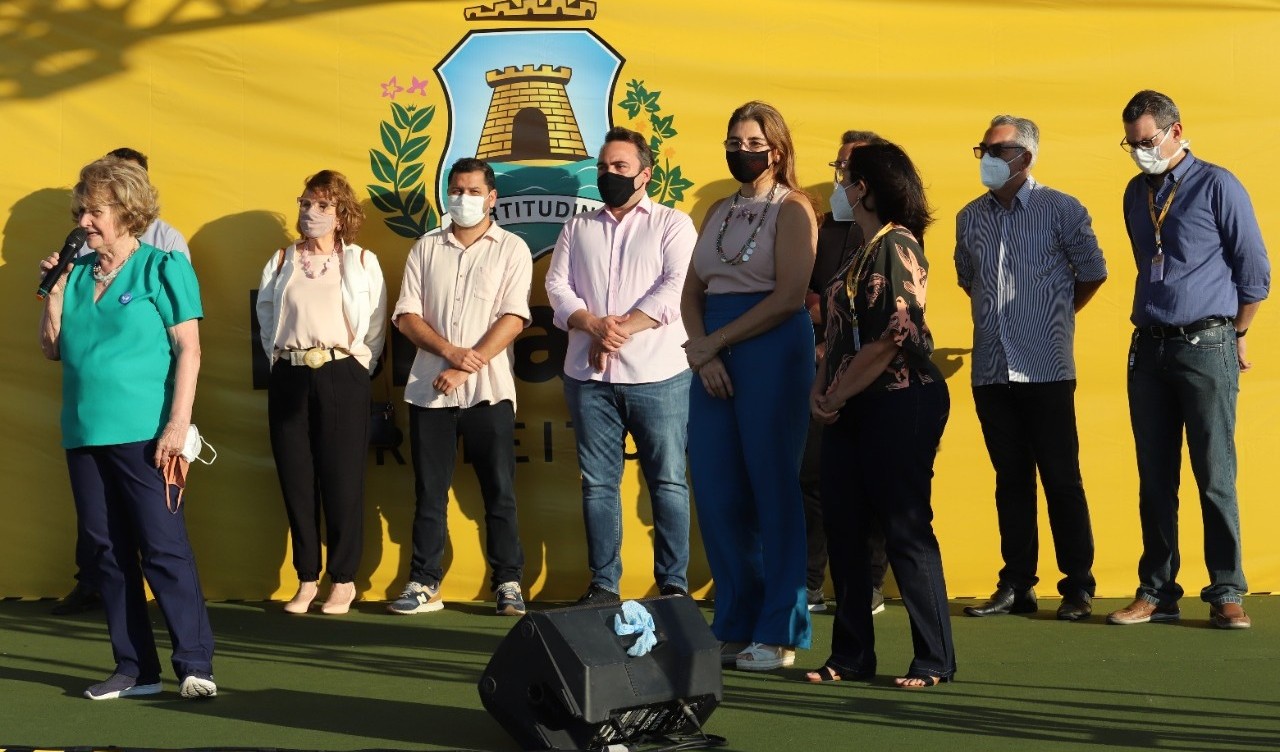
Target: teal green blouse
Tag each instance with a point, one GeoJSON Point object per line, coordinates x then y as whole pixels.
{"type": "Point", "coordinates": [117, 363]}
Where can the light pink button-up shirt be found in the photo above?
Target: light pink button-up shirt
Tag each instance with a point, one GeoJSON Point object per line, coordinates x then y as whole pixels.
{"type": "Point", "coordinates": [460, 293]}
{"type": "Point", "coordinates": [610, 267]}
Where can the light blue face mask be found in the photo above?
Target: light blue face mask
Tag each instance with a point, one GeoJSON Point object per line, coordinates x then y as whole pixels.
{"type": "Point", "coordinates": [994, 171]}
{"type": "Point", "coordinates": [841, 209]}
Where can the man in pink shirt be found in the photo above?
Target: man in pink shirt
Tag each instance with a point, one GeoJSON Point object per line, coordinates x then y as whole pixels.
{"type": "Point", "coordinates": [464, 298]}
{"type": "Point", "coordinates": [615, 281]}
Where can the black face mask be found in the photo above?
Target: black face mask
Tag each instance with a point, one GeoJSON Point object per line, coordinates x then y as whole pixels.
{"type": "Point", "coordinates": [616, 190]}
{"type": "Point", "coordinates": [746, 166]}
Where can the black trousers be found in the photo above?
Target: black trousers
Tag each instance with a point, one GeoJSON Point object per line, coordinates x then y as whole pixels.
{"type": "Point", "coordinates": [319, 421]}
{"type": "Point", "coordinates": [815, 535]}
{"type": "Point", "coordinates": [488, 436]}
{"type": "Point", "coordinates": [1030, 427]}
{"type": "Point", "coordinates": [877, 463]}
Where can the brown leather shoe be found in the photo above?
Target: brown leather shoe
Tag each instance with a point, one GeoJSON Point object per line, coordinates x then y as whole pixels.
{"type": "Point", "coordinates": [1142, 611]}
{"type": "Point", "coordinates": [1229, 616]}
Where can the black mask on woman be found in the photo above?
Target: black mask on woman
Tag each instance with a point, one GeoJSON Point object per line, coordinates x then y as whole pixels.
{"type": "Point", "coordinates": [615, 190]}
{"type": "Point", "coordinates": [746, 166]}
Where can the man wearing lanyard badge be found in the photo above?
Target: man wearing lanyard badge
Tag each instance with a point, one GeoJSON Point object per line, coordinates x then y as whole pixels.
{"type": "Point", "coordinates": [1202, 273]}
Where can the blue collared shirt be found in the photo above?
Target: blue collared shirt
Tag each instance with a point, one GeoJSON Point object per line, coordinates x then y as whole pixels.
{"type": "Point", "coordinates": [1214, 259]}
{"type": "Point", "coordinates": [1020, 266]}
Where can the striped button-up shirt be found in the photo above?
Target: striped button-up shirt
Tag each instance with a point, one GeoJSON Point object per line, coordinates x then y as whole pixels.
{"type": "Point", "coordinates": [1020, 266]}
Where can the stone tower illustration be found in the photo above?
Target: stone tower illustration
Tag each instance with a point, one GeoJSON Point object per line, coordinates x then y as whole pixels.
{"type": "Point", "coordinates": [530, 116]}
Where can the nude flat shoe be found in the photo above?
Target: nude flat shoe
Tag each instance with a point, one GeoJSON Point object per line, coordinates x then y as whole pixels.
{"type": "Point", "coordinates": [307, 592]}
{"type": "Point", "coordinates": [341, 596]}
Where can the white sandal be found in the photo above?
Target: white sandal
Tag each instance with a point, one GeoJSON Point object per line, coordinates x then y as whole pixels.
{"type": "Point", "coordinates": [761, 657]}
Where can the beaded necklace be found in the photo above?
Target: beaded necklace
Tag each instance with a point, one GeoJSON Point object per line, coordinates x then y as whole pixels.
{"type": "Point", "coordinates": [306, 262]}
{"type": "Point", "coordinates": [106, 278]}
{"type": "Point", "coordinates": [744, 254]}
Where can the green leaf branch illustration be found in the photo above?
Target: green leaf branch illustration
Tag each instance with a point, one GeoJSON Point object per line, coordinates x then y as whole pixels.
{"type": "Point", "coordinates": [398, 168]}
{"type": "Point", "coordinates": [668, 184]}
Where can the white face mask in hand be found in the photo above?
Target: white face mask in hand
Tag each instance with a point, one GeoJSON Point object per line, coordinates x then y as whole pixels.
{"type": "Point", "coordinates": [467, 211]}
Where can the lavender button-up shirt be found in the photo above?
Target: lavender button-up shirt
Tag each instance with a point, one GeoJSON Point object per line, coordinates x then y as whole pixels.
{"type": "Point", "coordinates": [609, 267]}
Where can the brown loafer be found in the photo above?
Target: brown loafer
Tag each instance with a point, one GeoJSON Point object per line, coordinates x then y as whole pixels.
{"type": "Point", "coordinates": [1142, 611]}
{"type": "Point", "coordinates": [1229, 616]}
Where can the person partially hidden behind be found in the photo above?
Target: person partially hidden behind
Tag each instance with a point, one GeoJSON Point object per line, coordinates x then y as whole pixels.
{"type": "Point", "coordinates": [1202, 274]}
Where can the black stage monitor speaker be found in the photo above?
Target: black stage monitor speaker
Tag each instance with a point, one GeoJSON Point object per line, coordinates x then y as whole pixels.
{"type": "Point", "coordinates": [562, 679]}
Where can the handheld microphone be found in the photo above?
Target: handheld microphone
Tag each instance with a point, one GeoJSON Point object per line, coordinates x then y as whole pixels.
{"type": "Point", "coordinates": [72, 244]}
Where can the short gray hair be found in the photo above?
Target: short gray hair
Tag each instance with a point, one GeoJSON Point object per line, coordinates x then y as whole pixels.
{"type": "Point", "coordinates": [1028, 135]}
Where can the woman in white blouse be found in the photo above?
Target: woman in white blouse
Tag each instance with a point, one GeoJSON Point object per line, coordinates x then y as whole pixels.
{"type": "Point", "coordinates": [322, 308]}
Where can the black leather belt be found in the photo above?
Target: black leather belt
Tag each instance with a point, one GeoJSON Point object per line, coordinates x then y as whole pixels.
{"type": "Point", "coordinates": [1160, 331]}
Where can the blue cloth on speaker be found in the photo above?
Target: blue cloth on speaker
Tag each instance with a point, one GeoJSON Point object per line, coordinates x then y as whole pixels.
{"type": "Point", "coordinates": [636, 619]}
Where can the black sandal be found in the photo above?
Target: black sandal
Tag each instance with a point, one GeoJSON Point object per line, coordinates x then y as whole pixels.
{"type": "Point", "coordinates": [826, 673]}
{"type": "Point", "coordinates": [929, 681]}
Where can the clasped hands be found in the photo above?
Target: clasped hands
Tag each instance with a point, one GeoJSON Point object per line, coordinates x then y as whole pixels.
{"type": "Point", "coordinates": [463, 361]}
{"type": "Point", "coordinates": [704, 360]}
{"type": "Point", "coordinates": [608, 335]}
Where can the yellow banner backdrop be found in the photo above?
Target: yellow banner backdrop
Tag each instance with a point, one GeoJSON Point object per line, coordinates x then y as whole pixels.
{"type": "Point", "coordinates": [237, 101]}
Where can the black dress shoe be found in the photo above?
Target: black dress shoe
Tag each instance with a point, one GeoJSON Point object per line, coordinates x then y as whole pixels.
{"type": "Point", "coordinates": [1006, 601]}
{"type": "Point", "coordinates": [672, 590]}
{"type": "Point", "coordinates": [81, 598]}
{"type": "Point", "coordinates": [598, 596]}
{"type": "Point", "coordinates": [1075, 607]}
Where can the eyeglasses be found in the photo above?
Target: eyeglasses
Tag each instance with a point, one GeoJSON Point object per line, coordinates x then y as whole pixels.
{"type": "Point", "coordinates": [993, 149]}
{"type": "Point", "coordinates": [305, 205]}
{"type": "Point", "coordinates": [751, 144]}
{"type": "Point", "coordinates": [1146, 143]}
{"type": "Point", "coordinates": [840, 167]}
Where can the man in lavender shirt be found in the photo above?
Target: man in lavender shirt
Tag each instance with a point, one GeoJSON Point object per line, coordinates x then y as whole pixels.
{"type": "Point", "coordinates": [615, 281]}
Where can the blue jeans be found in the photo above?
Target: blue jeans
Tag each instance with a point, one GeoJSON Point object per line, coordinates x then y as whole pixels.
{"type": "Point", "coordinates": [657, 417]}
{"type": "Point", "coordinates": [1186, 382]}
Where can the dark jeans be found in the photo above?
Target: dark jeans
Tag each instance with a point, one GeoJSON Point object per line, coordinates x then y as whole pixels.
{"type": "Point", "coordinates": [877, 463]}
{"type": "Point", "coordinates": [130, 533]}
{"type": "Point", "coordinates": [488, 435]}
{"type": "Point", "coordinates": [1030, 427]}
{"type": "Point", "coordinates": [319, 423]}
{"type": "Point", "coordinates": [656, 415]}
{"type": "Point", "coordinates": [1190, 383]}
{"type": "Point", "coordinates": [811, 489]}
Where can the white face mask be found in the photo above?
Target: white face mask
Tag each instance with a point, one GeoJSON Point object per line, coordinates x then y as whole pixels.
{"type": "Point", "coordinates": [467, 211]}
{"type": "Point", "coordinates": [316, 224]}
{"type": "Point", "coordinates": [1149, 160]}
{"type": "Point", "coordinates": [994, 171]}
{"type": "Point", "coordinates": [841, 209]}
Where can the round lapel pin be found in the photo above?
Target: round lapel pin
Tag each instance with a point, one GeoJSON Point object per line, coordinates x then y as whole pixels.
{"type": "Point", "coordinates": [124, 299]}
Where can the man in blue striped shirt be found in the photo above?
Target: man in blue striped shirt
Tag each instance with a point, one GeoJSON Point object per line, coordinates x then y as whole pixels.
{"type": "Point", "coordinates": [1029, 260]}
{"type": "Point", "coordinates": [1202, 273]}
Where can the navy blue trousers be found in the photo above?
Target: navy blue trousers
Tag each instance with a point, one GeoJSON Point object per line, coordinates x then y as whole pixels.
{"type": "Point", "coordinates": [124, 522]}
{"type": "Point", "coordinates": [744, 458]}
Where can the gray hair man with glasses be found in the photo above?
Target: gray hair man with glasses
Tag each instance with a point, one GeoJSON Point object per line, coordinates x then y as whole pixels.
{"type": "Point", "coordinates": [1202, 273]}
{"type": "Point", "coordinates": [1028, 258]}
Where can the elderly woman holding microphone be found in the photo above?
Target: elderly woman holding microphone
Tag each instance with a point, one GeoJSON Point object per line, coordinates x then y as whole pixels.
{"type": "Point", "coordinates": [124, 321]}
{"type": "Point", "coordinates": [322, 307]}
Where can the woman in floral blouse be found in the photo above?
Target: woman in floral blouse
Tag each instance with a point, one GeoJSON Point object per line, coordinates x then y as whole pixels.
{"type": "Point", "coordinates": [885, 405]}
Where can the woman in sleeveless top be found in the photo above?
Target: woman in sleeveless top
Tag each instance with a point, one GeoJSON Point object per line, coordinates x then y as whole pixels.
{"type": "Point", "coordinates": [885, 405]}
{"type": "Point", "coordinates": [751, 346]}
{"type": "Point", "coordinates": [322, 306]}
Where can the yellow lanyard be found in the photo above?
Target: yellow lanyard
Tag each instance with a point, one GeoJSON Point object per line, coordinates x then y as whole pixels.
{"type": "Point", "coordinates": [1164, 212]}
{"type": "Point", "coordinates": [859, 263]}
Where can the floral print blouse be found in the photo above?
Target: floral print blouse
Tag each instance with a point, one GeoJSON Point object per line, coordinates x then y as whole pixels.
{"type": "Point", "coordinates": [888, 297]}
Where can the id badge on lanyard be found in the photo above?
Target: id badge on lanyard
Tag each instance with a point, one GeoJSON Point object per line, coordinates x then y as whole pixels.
{"type": "Point", "coordinates": [1157, 261]}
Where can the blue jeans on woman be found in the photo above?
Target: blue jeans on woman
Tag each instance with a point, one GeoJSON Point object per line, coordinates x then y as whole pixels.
{"type": "Point", "coordinates": [744, 457]}
{"type": "Point", "coordinates": [1186, 382]}
{"type": "Point", "coordinates": [657, 417]}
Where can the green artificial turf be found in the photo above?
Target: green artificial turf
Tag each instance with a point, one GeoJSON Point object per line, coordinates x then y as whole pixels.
{"type": "Point", "coordinates": [374, 681]}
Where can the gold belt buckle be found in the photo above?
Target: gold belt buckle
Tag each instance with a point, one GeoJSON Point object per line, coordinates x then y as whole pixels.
{"type": "Point", "coordinates": [316, 357]}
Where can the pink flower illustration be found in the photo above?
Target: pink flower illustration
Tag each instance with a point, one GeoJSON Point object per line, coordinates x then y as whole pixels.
{"type": "Point", "coordinates": [418, 87]}
{"type": "Point", "coordinates": [390, 89]}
